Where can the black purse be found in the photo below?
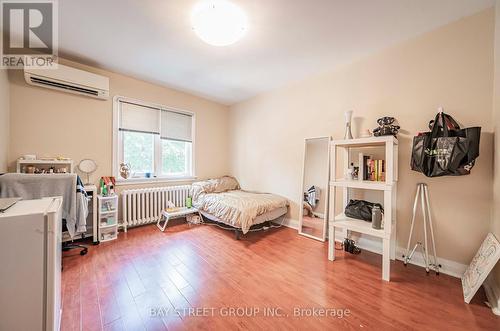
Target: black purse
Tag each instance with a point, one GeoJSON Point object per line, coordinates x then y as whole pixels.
{"type": "Point", "coordinates": [361, 209]}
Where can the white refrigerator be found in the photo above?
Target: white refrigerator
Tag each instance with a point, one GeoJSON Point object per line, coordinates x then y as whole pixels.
{"type": "Point", "coordinates": [30, 265]}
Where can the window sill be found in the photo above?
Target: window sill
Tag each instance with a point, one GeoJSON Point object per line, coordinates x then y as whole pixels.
{"type": "Point", "coordinates": [138, 181]}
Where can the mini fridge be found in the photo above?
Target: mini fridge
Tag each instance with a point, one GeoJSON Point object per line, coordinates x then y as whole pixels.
{"type": "Point", "coordinates": [30, 259]}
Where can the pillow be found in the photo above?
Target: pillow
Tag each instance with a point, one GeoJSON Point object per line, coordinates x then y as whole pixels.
{"type": "Point", "coordinates": [226, 183]}
{"type": "Point", "coordinates": [206, 186]}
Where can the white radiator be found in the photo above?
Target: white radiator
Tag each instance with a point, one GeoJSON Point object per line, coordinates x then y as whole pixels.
{"type": "Point", "coordinates": [143, 206]}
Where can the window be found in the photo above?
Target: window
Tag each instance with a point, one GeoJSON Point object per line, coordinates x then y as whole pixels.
{"type": "Point", "coordinates": [138, 151]}
{"type": "Point", "coordinates": [176, 143]}
{"type": "Point", "coordinates": [155, 141]}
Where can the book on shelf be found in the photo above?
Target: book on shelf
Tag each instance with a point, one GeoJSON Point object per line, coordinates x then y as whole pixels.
{"type": "Point", "coordinates": [371, 169]}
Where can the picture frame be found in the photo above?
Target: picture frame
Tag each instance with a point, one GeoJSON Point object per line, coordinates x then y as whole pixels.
{"type": "Point", "coordinates": [481, 265]}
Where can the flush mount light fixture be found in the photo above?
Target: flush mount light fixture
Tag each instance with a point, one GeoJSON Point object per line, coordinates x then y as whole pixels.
{"type": "Point", "coordinates": [218, 22]}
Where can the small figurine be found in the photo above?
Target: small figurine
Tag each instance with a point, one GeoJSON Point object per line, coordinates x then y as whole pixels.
{"type": "Point", "coordinates": [125, 170]}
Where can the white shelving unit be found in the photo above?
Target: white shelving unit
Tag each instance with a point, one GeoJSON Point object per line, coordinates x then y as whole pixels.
{"type": "Point", "coordinates": [338, 220]}
{"type": "Point", "coordinates": [45, 164]}
{"type": "Point", "coordinates": [107, 208]}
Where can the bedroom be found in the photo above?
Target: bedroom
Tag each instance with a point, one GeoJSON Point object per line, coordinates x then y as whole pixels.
{"type": "Point", "coordinates": [179, 111]}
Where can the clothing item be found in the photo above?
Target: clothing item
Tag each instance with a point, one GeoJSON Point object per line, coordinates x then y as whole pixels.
{"type": "Point", "coordinates": [37, 186]}
{"type": "Point", "coordinates": [312, 196]}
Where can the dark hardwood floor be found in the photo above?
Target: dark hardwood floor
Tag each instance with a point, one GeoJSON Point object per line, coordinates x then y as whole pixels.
{"type": "Point", "coordinates": [152, 280]}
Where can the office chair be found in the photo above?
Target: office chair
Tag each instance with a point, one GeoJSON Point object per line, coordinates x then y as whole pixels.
{"type": "Point", "coordinates": [69, 245]}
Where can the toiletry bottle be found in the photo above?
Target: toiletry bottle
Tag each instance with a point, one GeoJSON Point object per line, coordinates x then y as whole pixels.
{"type": "Point", "coordinates": [376, 218]}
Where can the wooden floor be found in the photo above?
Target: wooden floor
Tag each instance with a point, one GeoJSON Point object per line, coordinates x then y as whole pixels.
{"type": "Point", "coordinates": [149, 280]}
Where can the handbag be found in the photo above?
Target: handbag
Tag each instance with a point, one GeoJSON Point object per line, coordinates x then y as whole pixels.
{"type": "Point", "coordinates": [447, 150]}
{"type": "Point", "coordinates": [361, 209]}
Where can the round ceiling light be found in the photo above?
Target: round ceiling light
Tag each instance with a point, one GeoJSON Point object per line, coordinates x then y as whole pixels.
{"type": "Point", "coordinates": [218, 22]}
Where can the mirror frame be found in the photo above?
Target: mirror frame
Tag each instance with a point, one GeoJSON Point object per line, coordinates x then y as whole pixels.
{"type": "Point", "coordinates": [327, 190]}
{"type": "Point", "coordinates": [87, 172]}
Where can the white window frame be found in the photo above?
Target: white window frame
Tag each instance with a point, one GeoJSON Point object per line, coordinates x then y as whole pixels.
{"type": "Point", "coordinates": [118, 144]}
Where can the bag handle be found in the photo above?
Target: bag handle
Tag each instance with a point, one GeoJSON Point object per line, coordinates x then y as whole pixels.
{"type": "Point", "coordinates": [448, 120]}
{"type": "Point", "coordinates": [451, 123]}
{"type": "Point", "coordinates": [444, 121]}
{"type": "Point", "coordinates": [435, 130]}
{"type": "Point", "coordinates": [436, 126]}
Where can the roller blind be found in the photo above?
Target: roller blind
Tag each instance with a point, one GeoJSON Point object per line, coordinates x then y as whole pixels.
{"type": "Point", "coordinates": [176, 126]}
{"type": "Point", "coordinates": [139, 118]}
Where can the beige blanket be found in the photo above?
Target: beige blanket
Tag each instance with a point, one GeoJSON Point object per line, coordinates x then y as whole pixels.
{"type": "Point", "coordinates": [239, 208]}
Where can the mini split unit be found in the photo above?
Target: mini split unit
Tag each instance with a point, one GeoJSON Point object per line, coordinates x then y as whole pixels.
{"type": "Point", "coordinates": [67, 79]}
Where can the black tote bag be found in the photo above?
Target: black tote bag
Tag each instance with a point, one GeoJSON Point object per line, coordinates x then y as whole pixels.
{"type": "Point", "coordinates": [447, 150]}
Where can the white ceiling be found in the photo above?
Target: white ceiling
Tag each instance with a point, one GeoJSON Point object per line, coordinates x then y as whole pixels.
{"type": "Point", "coordinates": [287, 40]}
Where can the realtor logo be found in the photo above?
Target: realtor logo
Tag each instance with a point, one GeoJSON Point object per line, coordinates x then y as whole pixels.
{"type": "Point", "coordinates": [29, 35]}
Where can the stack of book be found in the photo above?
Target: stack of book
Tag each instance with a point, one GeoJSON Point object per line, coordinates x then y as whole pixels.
{"type": "Point", "coordinates": [373, 169]}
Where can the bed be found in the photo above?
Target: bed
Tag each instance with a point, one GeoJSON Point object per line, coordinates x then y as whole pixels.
{"type": "Point", "coordinates": [221, 200]}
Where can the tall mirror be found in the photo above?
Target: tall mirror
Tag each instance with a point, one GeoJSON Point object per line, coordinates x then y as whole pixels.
{"type": "Point", "coordinates": [315, 181]}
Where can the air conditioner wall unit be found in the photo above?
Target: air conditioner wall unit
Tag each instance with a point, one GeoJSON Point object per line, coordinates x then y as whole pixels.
{"type": "Point", "coordinates": [68, 79]}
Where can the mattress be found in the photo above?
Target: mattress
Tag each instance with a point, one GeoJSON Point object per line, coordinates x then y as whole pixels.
{"type": "Point", "coordinates": [239, 208]}
{"type": "Point", "coordinates": [268, 216]}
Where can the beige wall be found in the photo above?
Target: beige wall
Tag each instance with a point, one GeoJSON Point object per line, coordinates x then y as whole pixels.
{"type": "Point", "coordinates": [4, 119]}
{"type": "Point", "coordinates": [495, 225]}
{"type": "Point", "coordinates": [451, 66]}
{"type": "Point", "coordinates": [51, 123]}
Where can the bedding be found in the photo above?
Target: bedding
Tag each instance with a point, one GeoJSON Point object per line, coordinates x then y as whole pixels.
{"type": "Point", "coordinates": [222, 184]}
{"type": "Point", "coordinates": [226, 183]}
{"type": "Point", "coordinates": [237, 208]}
{"type": "Point", "coordinates": [269, 216]}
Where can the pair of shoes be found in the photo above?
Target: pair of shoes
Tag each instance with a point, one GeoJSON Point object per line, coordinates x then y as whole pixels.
{"type": "Point", "coordinates": [350, 246]}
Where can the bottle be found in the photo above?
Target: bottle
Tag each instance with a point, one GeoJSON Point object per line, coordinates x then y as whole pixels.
{"type": "Point", "coordinates": [376, 217]}
{"type": "Point", "coordinates": [103, 188]}
{"type": "Point", "coordinates": [189, 202]}
{"type": "Point", "coordinates": [348, 172]}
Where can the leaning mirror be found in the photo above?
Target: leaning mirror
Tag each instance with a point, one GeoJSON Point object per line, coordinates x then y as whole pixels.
{"type": "Point", "coordinates": [314, 197]}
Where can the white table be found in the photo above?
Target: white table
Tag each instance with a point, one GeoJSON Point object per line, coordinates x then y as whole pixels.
{"type": "Point", "coordinates": [166, 216]}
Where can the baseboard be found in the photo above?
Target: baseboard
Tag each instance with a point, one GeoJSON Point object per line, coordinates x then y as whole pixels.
{"type": "Point", "coordinates": [291, 223]}
{"type": "Point", "coordinates": [492, 293]}
{"type": "Point", "coordinates": [448, 267]}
